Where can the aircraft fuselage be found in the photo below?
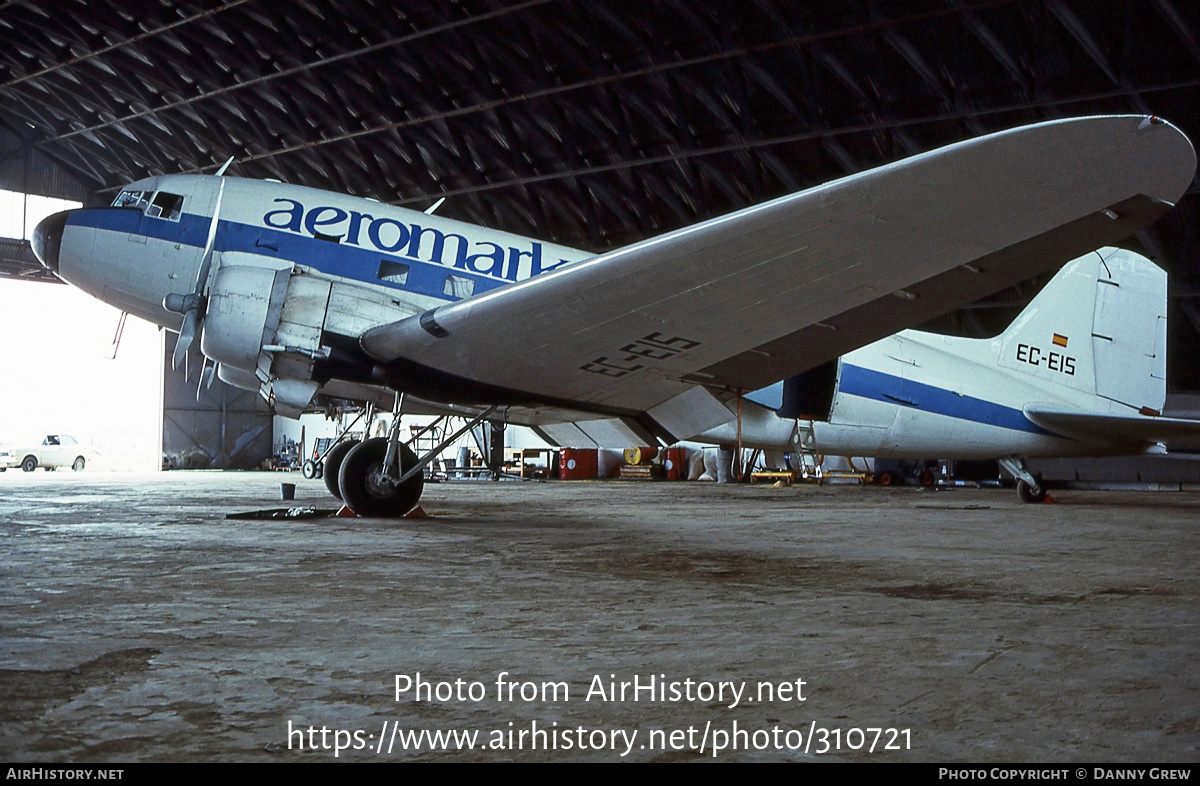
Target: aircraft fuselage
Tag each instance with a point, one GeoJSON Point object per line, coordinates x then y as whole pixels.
{"type": "Point", "coordinates": [133, 256]}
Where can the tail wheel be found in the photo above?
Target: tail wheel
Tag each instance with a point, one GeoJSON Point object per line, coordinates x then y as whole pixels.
{"type": "Point", "coordinates": [365, 492]}
{"type": "Point", "coordinates": [79, 464]}
{"type": "Point", "coordinates": [1027, 493]}
{"type": "Point", "coordinates": [29, 464]}
{"type": "Point", "coordinates": [332, 465]}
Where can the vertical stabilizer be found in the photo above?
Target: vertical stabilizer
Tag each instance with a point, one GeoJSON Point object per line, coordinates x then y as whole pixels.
{"type": "Point", "coordinates": [1099, 326]}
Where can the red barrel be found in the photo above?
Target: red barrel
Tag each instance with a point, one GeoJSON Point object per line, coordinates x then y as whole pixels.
{"type": "Point", "coordinates": [577, 464]}
{"type": "Point", "coordinates": [640, 455]}
{"type": "Point", "coordinates": [675, 464]}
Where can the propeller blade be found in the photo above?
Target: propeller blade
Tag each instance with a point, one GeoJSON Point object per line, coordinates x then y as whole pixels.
{"type": "Point", "coordinates": [187, 334]}
{"type": "Point", "coordinates": [192, 316]}
{"type": "Point", "coordinates": [210, 241]}
{"type": "Point", "coordinates": [205, 371]}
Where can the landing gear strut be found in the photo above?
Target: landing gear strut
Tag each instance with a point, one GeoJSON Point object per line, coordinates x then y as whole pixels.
{"type": "Point", "coordinates": [1029, 488]}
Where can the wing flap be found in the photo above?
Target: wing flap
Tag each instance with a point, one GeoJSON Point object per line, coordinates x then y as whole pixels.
{"type": "Point", "coordinates": [743, 300]}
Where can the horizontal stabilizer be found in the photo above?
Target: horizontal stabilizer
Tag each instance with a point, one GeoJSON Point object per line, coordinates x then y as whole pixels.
{"type": "Point", "coordinates": [1176, 433]}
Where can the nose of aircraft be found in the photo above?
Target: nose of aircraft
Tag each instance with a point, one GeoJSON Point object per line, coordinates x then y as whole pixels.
{"type": "Point", "coordinates": [47, 236]}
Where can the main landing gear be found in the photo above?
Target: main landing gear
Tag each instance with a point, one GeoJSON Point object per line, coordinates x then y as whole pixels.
{"type": "Point", "coordinates": [1029, 488]}
{"type": "Point", "coordinates": [383, 477]}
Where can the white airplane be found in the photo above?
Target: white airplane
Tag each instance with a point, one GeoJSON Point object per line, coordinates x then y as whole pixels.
{"type": "Point", "coordinates": [308, 296]}
{"type": "Point", "coordinates": [1081, 371]}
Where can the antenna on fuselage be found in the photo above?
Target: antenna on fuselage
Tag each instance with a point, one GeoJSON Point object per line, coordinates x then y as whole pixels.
{"type": "Point", "coordinates": [224, 166]}
{"type": "Point", "coordinates": [111, 354]}
{"type": "Point", "coordinates": [429, 210]}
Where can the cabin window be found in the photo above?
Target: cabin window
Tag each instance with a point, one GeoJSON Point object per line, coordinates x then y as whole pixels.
{"type": "Point", "coordinates": [459, 287]}
{"type": "Point", "coordinates": [393, 272]}
{"type": "Point", "coordinates": [165, 206]}
{"type": "Point", "coordinates": [135, 199]}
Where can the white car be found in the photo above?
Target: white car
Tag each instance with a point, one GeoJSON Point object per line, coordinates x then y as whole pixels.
{"type": "Point", "coordinates": [56, 450]}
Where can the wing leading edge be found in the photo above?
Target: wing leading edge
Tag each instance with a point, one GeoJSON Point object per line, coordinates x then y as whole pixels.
{"type": "Point", "coordinates": [743, 300]}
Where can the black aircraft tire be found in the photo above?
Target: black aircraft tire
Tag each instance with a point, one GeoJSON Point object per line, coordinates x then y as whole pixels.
{"type": "Point", "coordinates": [1027, 494]}
{"type": "Point", "coordinates": [331, 465]}
{"type": "Point", "coordinates": [367, 498]}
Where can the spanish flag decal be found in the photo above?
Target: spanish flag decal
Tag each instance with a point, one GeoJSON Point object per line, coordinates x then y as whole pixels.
{"type": "Point", "coordinates": [1060, 340]}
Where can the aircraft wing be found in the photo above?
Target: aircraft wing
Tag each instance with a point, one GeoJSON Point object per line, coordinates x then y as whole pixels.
{"type": "Point", "coordinates": [741, 301]}
{"type": "Point", "coordinates": [1176, 433]}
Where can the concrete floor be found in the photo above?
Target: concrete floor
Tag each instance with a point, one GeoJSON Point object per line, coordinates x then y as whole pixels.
{"type": "Point", "coordinates": [136, 623]}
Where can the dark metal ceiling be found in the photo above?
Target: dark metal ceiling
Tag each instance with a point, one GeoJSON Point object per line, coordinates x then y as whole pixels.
{"type": "Point", "coordinates": [590, 123]}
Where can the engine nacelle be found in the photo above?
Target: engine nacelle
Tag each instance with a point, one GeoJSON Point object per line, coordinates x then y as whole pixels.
{"type": "Point", "coordinates": [265, 324]}
{"type": "Point", "coordinates": [244, 305]}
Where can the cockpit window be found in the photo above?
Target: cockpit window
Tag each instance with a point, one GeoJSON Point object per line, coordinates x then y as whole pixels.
{"type": "Point", "coordinates": [165, 206]}
{"type": "Point", "coordinates": [160, 205]}
{"type": "Point", "coordinates": [138, 199]}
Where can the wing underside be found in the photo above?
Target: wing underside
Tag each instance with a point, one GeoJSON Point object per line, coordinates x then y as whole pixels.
{"type": "Point", "coordinates": [739, 302]}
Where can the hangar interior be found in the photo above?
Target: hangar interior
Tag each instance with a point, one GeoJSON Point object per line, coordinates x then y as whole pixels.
{"type": "Point", "coordinates": [592, 125]}
{"type": "Point", "coordinates": [140, 623]}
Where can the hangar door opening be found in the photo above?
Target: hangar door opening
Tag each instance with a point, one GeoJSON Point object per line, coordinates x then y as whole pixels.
{"type": "Point", "coordinates": [59, 377]}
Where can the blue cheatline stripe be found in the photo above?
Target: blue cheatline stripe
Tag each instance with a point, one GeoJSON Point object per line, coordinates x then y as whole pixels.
{"type": "Point", "coordinates": [334, 259]}
{"type": "Point", "coordinates": [890, 389]}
